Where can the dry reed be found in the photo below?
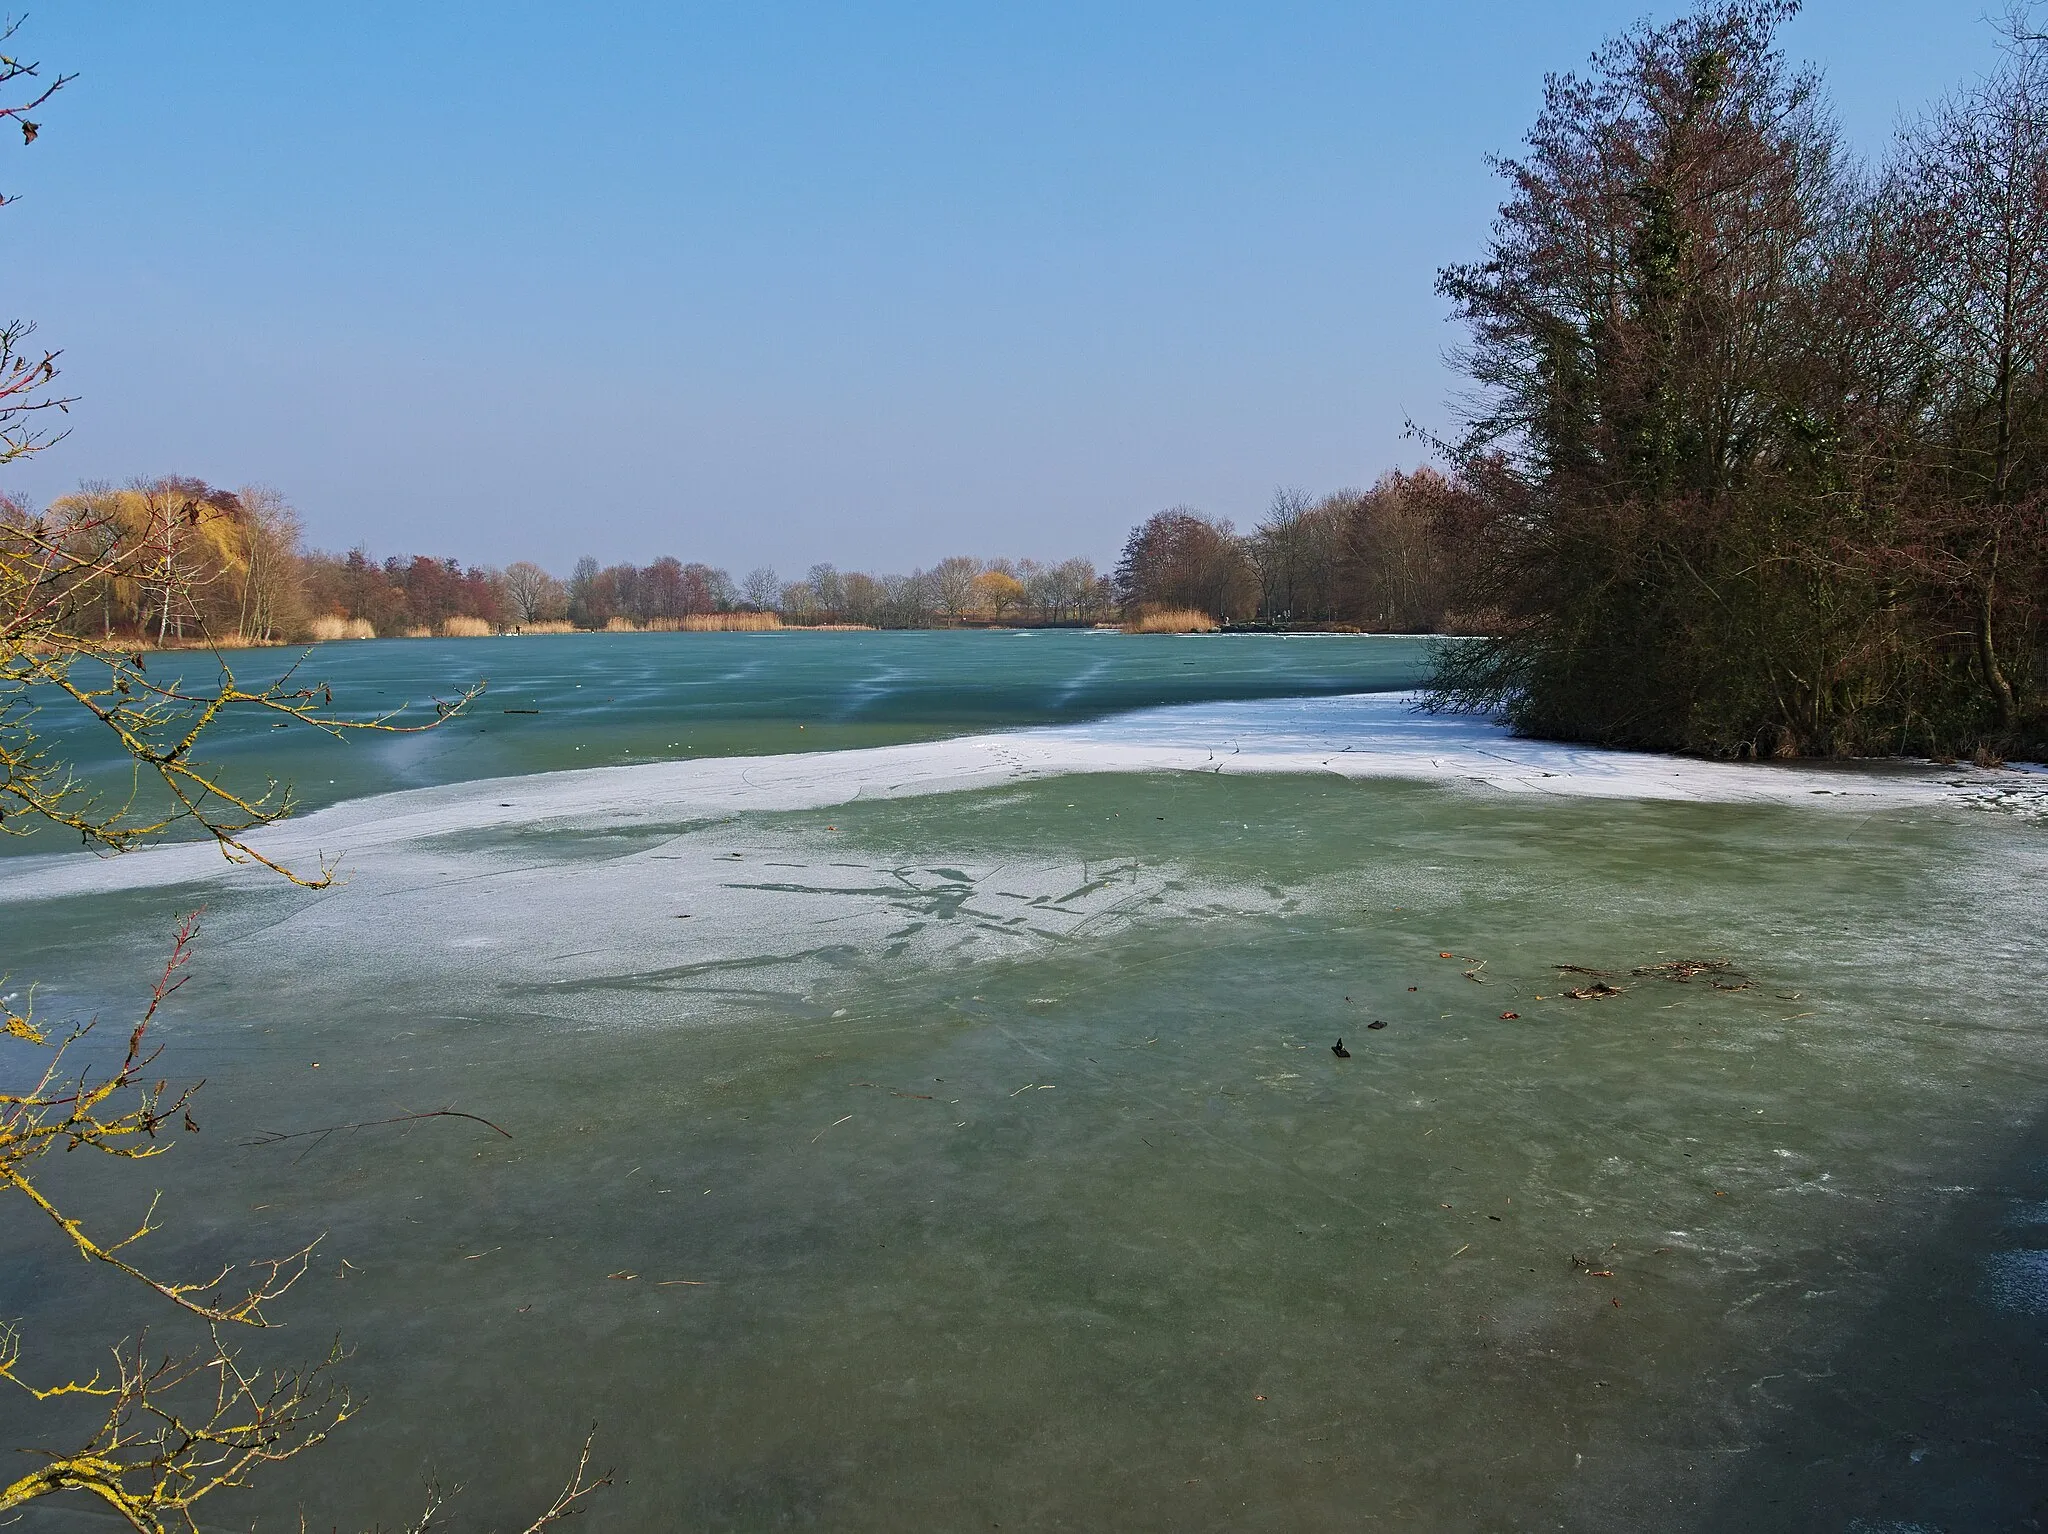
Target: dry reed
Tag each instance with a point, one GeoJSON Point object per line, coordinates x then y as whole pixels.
{"type": "Point", "coordinates": [327, 627]}
{"type": "Point", "coordinates": [699, 623]}
{"type": "Point", "coordinates": [1172, 620]}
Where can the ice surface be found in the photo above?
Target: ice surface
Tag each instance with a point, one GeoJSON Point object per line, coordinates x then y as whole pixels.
{"type": "Point", "coordinates": [967, 1116]}
{"type": "Point", "coordinates": [2018, 1281]}
{"type": "Point", "coordinates": [1355, 736]}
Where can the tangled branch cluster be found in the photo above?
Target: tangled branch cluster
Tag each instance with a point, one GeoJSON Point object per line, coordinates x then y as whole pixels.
{"type": "Point", "coordinates": [150, 1461]}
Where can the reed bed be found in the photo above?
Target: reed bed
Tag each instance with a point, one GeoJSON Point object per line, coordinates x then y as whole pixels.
{"type": "Point", "coordinates": [699, 623]}
{"type": "Point", "coordinates": [327, 627]}
{"type": "Point", "coordinates": [1172, 620]}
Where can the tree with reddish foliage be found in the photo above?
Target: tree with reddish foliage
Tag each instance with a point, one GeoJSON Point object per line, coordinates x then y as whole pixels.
{"type": "Point", "coordinates": [1396, 552]}
{"type": "Point", "coordinates": [1179, 558]}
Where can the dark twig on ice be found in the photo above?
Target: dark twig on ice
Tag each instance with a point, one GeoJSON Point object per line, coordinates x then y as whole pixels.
{"type": "Point", "coordinates": [318, 1136]}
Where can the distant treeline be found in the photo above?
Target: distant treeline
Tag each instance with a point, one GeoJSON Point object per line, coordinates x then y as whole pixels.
{"type": "Point", "coordinates": [228, 566]}
{"type": "Point", "coordinates": [953, 591]}
{"type": "Point", "coordinates": [1384, 560]}
{"type": "Point", "coordinates": [407, 596]}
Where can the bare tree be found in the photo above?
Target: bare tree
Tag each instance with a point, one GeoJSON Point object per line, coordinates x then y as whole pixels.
{"type": "Point", "coordinates": [863, 599]}
{"type": "Point", "coordinates": [760, 590]}
{"type": "Point", "coordinates": [272, 598]}
{"type": "Point", "coordinates": [798, 601]}
{"type": "Point", "coordinates": [827, 587]}
{"type": "Point", "coordinates": [27, 373]}
{"type": "Point", "coordinates": [908, 600]}
{"type": "Point", "coordinates": [1276, 554]}
{"type": "Point", "coordinates": [1180, 558]}
{"type": "Point", "coordinates": [1073, 581]}
{"type": "Point", "coordinates": [535, 596]}
{"type": "Point", "coordinates": [1973, 187]}
{"type": "Point", "coordinates": [952, 586]}
{"type": "Point", "coordinates": [1392, 552]}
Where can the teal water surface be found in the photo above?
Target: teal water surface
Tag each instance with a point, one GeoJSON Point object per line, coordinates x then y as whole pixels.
{"type": "Point", "coordinates": [558, 701]}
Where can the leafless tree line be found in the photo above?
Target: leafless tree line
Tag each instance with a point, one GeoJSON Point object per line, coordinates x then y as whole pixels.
{"type": "Point", "coordinates": [1384, 560]}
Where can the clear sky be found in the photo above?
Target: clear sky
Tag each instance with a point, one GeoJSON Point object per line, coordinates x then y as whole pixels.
{"type": "Point", "coordinates": [779, 282]}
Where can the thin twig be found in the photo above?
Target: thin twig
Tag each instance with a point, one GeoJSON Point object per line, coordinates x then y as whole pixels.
{"type": "Point", "coordinates": [279, 1136]}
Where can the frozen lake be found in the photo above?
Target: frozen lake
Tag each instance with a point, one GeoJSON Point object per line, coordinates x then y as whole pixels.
{"type": "Point", "coordinates": [956, 1086]}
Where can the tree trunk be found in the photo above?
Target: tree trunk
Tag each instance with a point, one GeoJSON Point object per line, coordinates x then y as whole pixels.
{"type": "Point", "coordinates": [1987, 657]}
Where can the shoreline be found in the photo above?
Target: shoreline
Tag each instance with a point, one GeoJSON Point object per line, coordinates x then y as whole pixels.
{"type": "Point", "coordinates": [1353, 735]}
{"type": "Point", "coordinates": [1324, 631]}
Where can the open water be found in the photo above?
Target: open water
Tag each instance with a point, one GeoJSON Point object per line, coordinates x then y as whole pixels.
{"type": "Point", "coordinates": [563, 701]}
{"type": "Point", "coordinates": [940, 1129]}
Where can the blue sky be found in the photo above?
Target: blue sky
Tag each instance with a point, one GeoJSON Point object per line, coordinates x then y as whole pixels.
{"type": "Point", "coordinates": [780, 282]}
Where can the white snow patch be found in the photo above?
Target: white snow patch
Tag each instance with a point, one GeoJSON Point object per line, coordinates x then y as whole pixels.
{"type": "Point", "coordinates": [1358, 736]}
